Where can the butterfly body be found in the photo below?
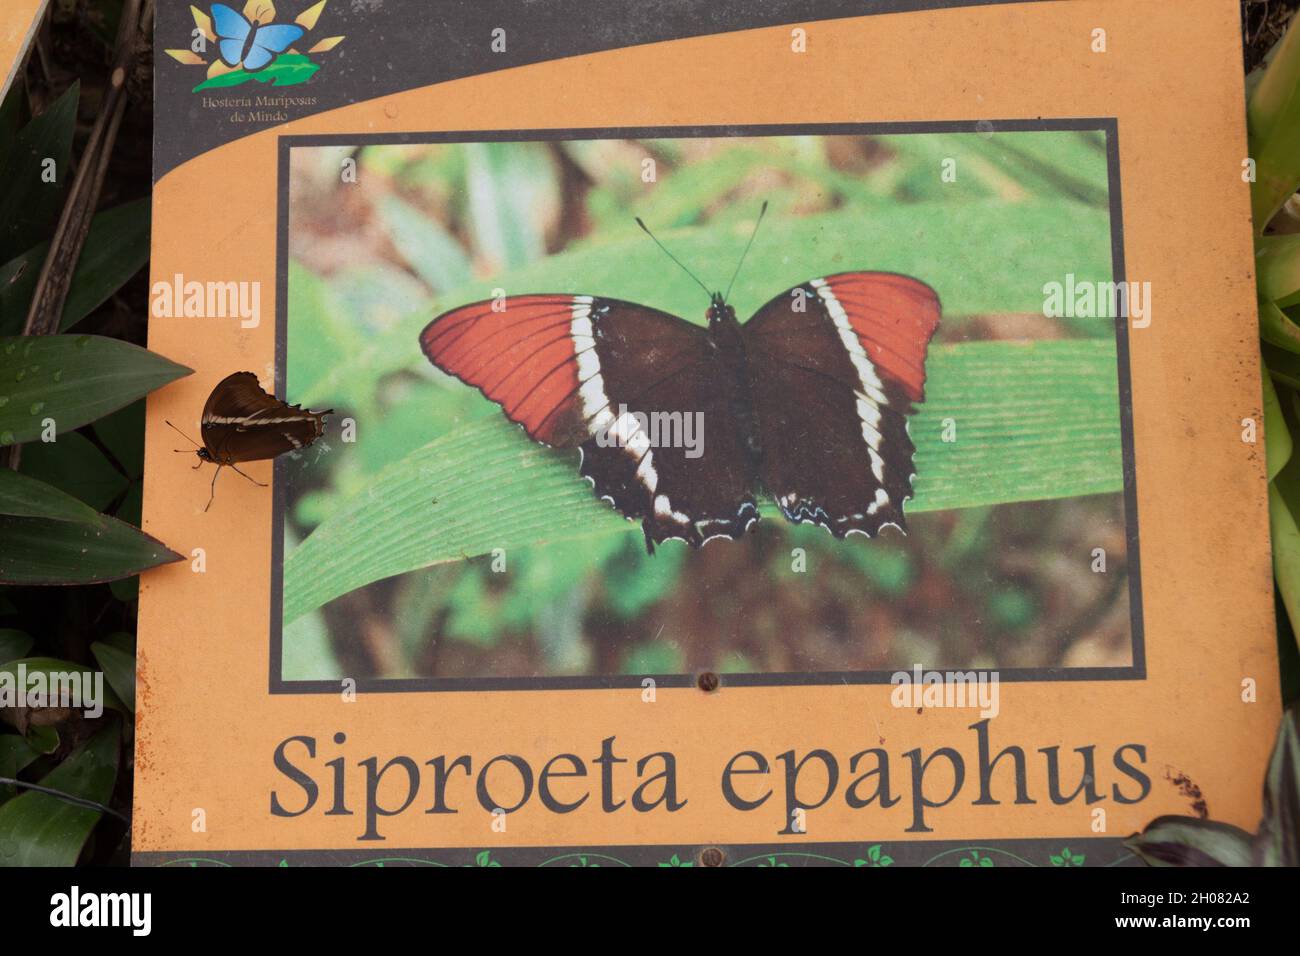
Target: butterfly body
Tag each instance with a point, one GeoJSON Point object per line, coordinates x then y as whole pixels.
{"type": "Point", "coordinates": [731, 372]}
{"type": "Point", "coordinates": [248, 41]}
{"type": "Point", "coordinates": [807, 401]}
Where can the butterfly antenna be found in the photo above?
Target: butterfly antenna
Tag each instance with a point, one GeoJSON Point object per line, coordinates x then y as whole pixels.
{"type": "Point", "coordinates": [647, 231]}
{"type": "Point", "coordinates": [183, 435]}
{"type": "Point", "coordinates": [727, 295]}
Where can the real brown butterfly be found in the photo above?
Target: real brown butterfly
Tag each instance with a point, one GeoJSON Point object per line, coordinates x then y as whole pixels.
{"type": "Point", "coordinates": [243, 422]}
{"type": "Point", "coordinates": [807, 401]}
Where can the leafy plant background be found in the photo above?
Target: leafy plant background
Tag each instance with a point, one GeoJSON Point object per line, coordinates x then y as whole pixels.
{"type": "Point", "coordinates": [71, 354]}
{"type": "Point", "coordinates": [388, 541]}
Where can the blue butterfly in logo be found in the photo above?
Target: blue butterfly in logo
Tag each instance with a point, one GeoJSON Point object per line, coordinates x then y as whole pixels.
{"type": "Point", "coordinates": [250, 45]}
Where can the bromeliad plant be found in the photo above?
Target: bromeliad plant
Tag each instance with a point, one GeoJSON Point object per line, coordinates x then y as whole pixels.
{"type": "Point", "coordinates": [1274, 122]}
{"type": "Point", "coordinates": [1185, 841]}
{"type": "Point", "coordinates": [1273, 115]}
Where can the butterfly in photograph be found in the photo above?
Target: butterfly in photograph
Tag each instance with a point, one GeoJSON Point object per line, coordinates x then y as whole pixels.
{"type": "Point", "coordinates": [243, 422]}
{"type": "Point", "coordinates": [250, 44]}
{"type": "Point", "coordinates": [807, 401]}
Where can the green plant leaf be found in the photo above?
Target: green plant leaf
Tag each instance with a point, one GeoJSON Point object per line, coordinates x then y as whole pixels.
{"type": "Point", "coordinates": [15, 754]}
{"type": "Point", "coordinates": [1278, 840]}
{"type": "Point", "coordinates": [118, 666]}
{"type": "Point", "coordinates": [53, 668]}
{"type": "Point", "coordinates": [122, 640]}
{"type": "Point", "coordinates": [1276, 328]}
{"type": "Point", "coordinates": [44, 740]}
{"type": "Point", "coordinates": [1273, 121]}
{"type": "Point", "coordinates": [1037, 420]}
{"type": "Point", "coordinates": [37, 829]}
{"type": "Point", "coordinates": [1277, 436]}
{"type": "Point", "coordinates": [49, 537]}
{"type": "Point", "coordinates": [14, 644]}
{"type": "Point", "coordinates": [1187, 841]}
{"type": "Point", "coordinates": [50, 551]}
{"type": "Point", "coordinates": [75, 465]}
{"type": "Point", "coordinates": [117, 247]}
{"type": "Point", "coordinates": [26, 497]}
{"type": "Point", "coordinates": [72, 380]}
{"type": "Point", "coordinates": [1277, 269]}
{"type": "Point", "coordinates": [29, 205]}
{"type": "Point", "coordinates": [289, 69]}
{"type": "Point", "coordinates": [1283, 502]}
{"type": "Point", "coordinates": [123, 434]}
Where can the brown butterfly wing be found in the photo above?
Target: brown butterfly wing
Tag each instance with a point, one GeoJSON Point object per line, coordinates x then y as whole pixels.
{"type": "Point", "coordinates": [242, 422]}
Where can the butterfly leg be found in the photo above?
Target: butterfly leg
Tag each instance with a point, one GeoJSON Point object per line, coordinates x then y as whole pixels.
{"type": "Point", "coordinates": [260, 484]}
{"type": "Point", "coordinates": [214, 489]}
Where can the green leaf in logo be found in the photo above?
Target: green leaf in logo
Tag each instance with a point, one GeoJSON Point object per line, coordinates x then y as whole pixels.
{"type": "Point", "coordinates": [287, 70]}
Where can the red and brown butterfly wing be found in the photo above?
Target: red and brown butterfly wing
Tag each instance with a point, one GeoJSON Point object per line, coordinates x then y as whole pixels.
{"type": "Point", "coordinates": [835, 365]}
{"type": "Point", "coordinates": [567, 367]}
{"type": "Point", "coordinates": [242, 422]}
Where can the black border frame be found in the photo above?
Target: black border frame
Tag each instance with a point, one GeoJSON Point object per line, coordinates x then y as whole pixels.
{"type": "Point", "coordinates": [1109, 126]}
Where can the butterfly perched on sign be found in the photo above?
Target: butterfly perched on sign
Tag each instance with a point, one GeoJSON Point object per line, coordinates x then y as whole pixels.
{"type": "Point", "coordinates": [807, 401]}
{"type": "Point", "coordinates": [250, 44]}
{"type": "Point", "coordinates": [243, 422]}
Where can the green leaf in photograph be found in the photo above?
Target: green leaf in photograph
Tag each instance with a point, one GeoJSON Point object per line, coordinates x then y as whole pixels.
{"type": "Point", "coordinates": [37, 829]}
{"type": "Point", "coordinates": [375, 295]}
{"type": "Point", "coordinates": [333, 338]}
{"type": "Point", "coordinates": [425, 244]}
{"type": "Point", "coordinates": [1068, 164]}
{"type": "Point", "coordinates": [30, 202]}
{"type": "Point", "coordinates": [635, 580]}
{"type": "Point", "coordinates": [892, 570]}
{"type": "Point", "coordinates": [960, 249]}
{"type": "Point", "coordinates": [117, 247]}
{"type": "Point", "coordinates": [118, 666]}
{"type": "Point", "coordinates": [654, 657]}
{"type": "Point", "coordinates": [307, 654]}
{"type": "Point", "coordinates": [1036, 420]}
{"type": "Point", "coordinates": [72, 379]}
{"type": "Point", "coordinates": [513, 189]}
